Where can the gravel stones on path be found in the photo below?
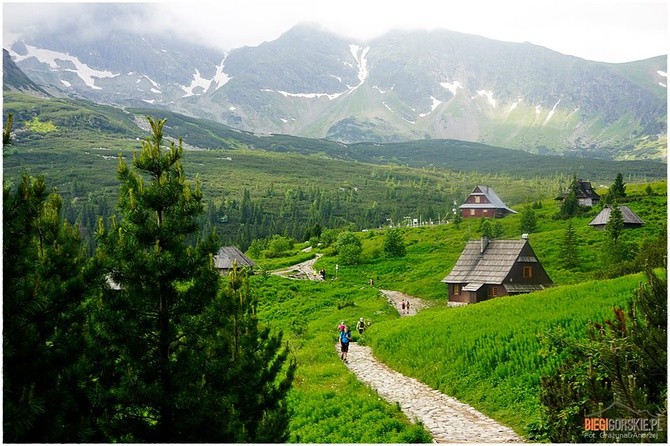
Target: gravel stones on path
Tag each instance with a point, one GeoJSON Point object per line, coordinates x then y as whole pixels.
{"type": "Point", "coordinates": [447, 419]}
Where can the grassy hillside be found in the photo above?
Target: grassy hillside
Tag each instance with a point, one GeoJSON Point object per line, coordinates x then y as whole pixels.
{"type": "Point", "coordinates": [488, 354]}
{"type": "Point", "coordinates": [292, 183]}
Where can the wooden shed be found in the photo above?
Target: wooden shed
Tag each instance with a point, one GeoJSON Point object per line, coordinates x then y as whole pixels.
{"type": "Point", "coordinates": [630, 219]}
{"type": "Point", "coordinates": [228, 257]}
{"type": "Point", "coordinates": [488, 269]}
{"type": "Point", "coordinates": [484, 202]}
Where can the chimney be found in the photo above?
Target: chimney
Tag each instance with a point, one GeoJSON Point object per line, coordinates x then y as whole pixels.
{"type": "Point", "coordinates": [484, 244]}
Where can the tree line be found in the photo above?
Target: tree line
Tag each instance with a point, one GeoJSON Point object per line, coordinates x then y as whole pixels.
{"type": "Point", "coordinates": [140, 340]}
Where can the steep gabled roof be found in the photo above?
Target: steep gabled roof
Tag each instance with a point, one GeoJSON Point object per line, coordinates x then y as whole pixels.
{"type": "Point", "coordinates": [584, 190]}
{"type": "Point", "coordinates": [494, 200]}
{"type": "Point", "coordinates": [491, 266]}
{"type": "Point", "coordinates": [228, 255]}
{"type": "Point", "coordinates": [629, 217]}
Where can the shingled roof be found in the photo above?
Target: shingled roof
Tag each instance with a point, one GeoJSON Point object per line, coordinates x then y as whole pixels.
{"type": "Point", "coordinates": [491, 266]}
{"type": "Point", "coordinates": [228, 255]}
{"type": "Point", "coordinates": [629, 217]}
{"type": "Point", "coordinates": [494, 200]}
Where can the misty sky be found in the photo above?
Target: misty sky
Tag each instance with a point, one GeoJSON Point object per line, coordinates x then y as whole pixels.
{"type": "Point", "coordinates": [604, 30]}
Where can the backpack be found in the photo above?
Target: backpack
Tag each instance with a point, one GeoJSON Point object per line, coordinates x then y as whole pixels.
{"type": "Point", "coordinates": [344, 338]}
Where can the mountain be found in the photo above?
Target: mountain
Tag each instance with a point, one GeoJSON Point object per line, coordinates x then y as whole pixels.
{"type": "Point", "coordinates": [13, 79]}
{"type": "Point", "coordinates": [399, 87]}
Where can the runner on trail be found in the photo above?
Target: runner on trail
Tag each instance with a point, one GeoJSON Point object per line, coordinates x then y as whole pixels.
{"type": "Point", "coordinates": [402, 306]}
{"type": "Point", "coordinates": [407, 306]}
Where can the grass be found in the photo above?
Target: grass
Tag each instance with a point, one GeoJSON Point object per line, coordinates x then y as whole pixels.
{"type": "Point", "coordinates": [328, 403]}
{"type": "Point", "coordinates": [488, 355]}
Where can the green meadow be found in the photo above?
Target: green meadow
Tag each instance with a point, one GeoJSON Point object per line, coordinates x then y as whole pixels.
{"type": "Point", "coordinates": [488, 355]}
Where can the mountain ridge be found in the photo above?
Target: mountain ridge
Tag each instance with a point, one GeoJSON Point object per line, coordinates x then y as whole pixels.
{"type": "Point", "coordinates": [404, 85]}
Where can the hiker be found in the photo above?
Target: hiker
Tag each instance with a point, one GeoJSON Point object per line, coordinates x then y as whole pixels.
{"type": "Point", "coordinates": [402, 306]}
{"type": "Point", "coordinates": [407, 306]}
{"type": "Point", "coordinates": [360, 326]}
{"type": "Point", "coordinates": [345, 338]}
{"type": "Point", "coordinates": [340, 328]}
{"type": "Point", "coordinates": [323, 274]}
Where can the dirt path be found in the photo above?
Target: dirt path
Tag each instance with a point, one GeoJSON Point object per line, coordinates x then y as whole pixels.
{"type": "Point", "coordinates": [301, 271]}
{"type": "Point", "coordinates": [395, 298]}
{"type": "Point", "coordinates": [447, 419]}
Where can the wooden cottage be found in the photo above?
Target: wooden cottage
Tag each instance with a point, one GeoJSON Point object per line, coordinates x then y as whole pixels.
{"type": "Point", "coordinates": [630, 219]}
{"type": "Point", "coordinates": [586, 195]}
{"type": "Point", "coordinates": [228, 257]}
{"type": "Point", "coordinates": [488, 269]}
{"type": "Point", "coordinates": [484, 202]}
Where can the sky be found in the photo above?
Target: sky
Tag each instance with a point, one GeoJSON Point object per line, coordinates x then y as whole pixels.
{"type": "Point", "coordinates": [602, 30]}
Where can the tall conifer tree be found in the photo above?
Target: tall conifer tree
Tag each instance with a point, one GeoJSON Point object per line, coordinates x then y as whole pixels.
{"type": "Point", "coordinates": [164, 350]}
{"type": "Point", "coordinates": [44, 285]}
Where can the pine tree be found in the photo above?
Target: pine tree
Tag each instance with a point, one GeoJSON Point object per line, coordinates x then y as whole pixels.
{"type": "Point", "coordinates": [45, 282]}
{"type": "Point", "coordinates": [528, 220]}
{"type": "Point", "coordinates": [160, 334]}
{"type": "Point", "coordinates": [617, 191]}
{"type": "Point", "coordinates": [615, 224]}
{"type": "Point", "coordinates": [569, 253]}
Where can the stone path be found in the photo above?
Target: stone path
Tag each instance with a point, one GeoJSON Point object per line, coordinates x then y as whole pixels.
{"type": "Point", "coordinates": [396, 297]}
{"type": "Point", "coordinates": [447, 419]}
{"type": "Point", "coordinates": [304, 270]}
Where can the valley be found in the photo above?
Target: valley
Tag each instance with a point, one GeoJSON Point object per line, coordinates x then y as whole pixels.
{"type": "Point", "coordinates": [287, 200]}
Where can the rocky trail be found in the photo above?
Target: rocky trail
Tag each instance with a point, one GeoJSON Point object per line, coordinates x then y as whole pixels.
{"type": "Point", "coordinates": [300, 271]}
{"type": "Point", "coordinates": [447, 419]}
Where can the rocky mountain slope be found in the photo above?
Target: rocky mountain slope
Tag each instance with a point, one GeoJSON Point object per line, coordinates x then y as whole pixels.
{"type": "Point", "coordinates": [399, 87]}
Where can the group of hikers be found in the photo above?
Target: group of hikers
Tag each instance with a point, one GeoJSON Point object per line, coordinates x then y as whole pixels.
{"type": "Point", "coordinates": [345, 337]}
{"type": "Point", "coordinates": [345, 332]}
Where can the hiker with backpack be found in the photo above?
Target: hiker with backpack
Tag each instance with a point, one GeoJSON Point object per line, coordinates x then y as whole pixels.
{"type": "Point", "coordinates": [345, 338]}
{"type": "Point", "coordinates": [360, 326]}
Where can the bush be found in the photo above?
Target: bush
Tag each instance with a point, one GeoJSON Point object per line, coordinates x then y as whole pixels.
{"type": "Point", "coordinates": [349, 248]}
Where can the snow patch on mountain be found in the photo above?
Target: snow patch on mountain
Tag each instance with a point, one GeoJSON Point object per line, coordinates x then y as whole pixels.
{"type": "Point", "coordinates": [452, 87]}
{"type": "Point", "coordinates": [436, 103]}
{"type": "Point", "coordinates": [220, 78]}
{"type": "Point", "coordinates": [360, 56]}
{"type": "Point", "coordinates": [376, 87]}
{"type": "Point", "coordinates": [51, 58]}
{"type": "Point", "coordinates": [197, 82]}
{"type": "Point", "coordinates": [662, 73]}
{"type": "Point", "coordinates": [66, 83]}
{"type": "Point", "coordinates": [156, 86]}
{"type": "Point", "coordinates": [551, 113]}
{"type": "Point", "coordinates": [488, 95]}
{"type": "Point", "coordinates": [514, 104]}
{"type": "Point", "coordinates": [305, 95]}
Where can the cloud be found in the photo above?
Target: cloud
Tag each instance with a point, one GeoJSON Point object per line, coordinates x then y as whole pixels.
{"type": "Point", "coordinates": [607, 30]}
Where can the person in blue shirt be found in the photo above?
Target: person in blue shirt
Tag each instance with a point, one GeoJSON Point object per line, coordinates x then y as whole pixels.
{"type": "Point", "coordinates": [345, 338]}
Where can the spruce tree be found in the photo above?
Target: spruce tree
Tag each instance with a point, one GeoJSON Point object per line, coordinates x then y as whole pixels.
{"type": "Point", "coordinates": [168, 369]}
{"type": "Point", "coordinates": [569, 253]}
{"type": "Point", "coordinates": [528, 220]}
{"type": "Point", "coordinates": [45, 282]}
{"type": "Point", "coordinates": [615, 224]}
{"type": "Point", "coordinates": [617, 191]}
